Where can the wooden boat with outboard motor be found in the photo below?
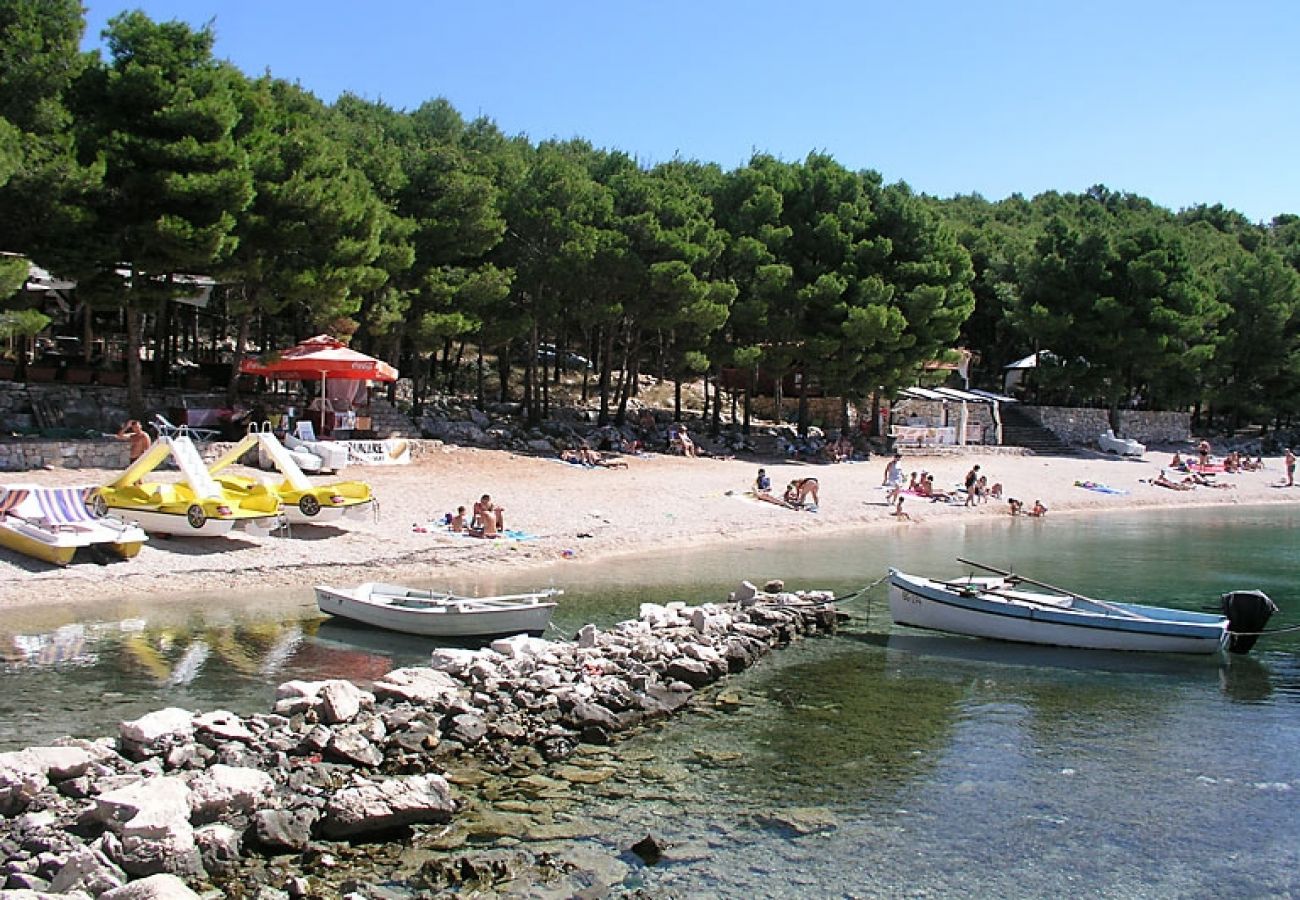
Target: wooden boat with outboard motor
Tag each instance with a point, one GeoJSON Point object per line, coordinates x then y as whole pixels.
{"type": "Point", "coordinates": [1011, 607]}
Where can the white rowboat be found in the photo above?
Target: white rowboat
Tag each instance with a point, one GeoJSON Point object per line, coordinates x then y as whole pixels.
{"type": "Point", "coordinates": [1002, 608]}
{"type": "Point", "coordinates": [436, 614]}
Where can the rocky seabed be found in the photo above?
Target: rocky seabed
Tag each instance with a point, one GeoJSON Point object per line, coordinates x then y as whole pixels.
{"type": "Point", "coordinates": [290, 803]}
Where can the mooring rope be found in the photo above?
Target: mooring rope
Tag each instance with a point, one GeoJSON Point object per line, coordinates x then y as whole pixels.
{"type": "Point", "coordinates": [1283, 630]}
{"type": "Point", "coordinates": [860, 591]}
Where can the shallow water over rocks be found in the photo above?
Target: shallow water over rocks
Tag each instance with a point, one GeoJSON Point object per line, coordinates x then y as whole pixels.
{"type": "Point", "coordinates": [879, 762]}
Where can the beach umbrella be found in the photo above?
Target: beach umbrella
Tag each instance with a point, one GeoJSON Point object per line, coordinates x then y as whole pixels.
{"type": "Point", "coordinates": [317, 359]}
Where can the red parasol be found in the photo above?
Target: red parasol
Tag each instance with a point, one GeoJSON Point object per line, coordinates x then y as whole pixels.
{"type": "Point", "coordinates": [316, 359]}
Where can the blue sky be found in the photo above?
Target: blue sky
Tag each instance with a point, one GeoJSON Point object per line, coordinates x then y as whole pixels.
{"type": "Point", "coordinates": [1183, 102]}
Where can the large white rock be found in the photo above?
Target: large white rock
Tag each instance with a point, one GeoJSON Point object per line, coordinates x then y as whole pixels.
{"type": "Point", "coordinates": [418, 684]}
{"type": "Point", "coordinates": [156, 887]}
{"type": "Point", "coordinates": [62, 763]}
{"type": "Point", "coordinates": [340, 701]}
{"type": "Point", "coordinates": [521, 645]}
{"type": "Point", "coordinates": [21, 779]}
{"type": "Point", "coordinates": [148, 808]}
{"type": "Point", "coordinates": [223, 787]}
{"type": "Point", "coordinates": [87, 869]}
{"type": "Point", "coordinates": [334, 698]}
{"type": "Point", "coordinates": [388, 804]}
{"type": "Point", "coordinates": [153, 727]}
{"type": "Point", "coordinates": [452, 660]}
{"type": "Point", "coordinates": [225, 725]}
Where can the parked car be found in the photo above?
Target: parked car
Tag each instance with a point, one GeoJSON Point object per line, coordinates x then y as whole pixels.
{"type": "Point", "coordinates": [547, 353]}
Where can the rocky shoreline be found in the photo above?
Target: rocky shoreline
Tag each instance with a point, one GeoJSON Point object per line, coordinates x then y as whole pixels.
{"type": "Point", "coordinates": [340, 783]}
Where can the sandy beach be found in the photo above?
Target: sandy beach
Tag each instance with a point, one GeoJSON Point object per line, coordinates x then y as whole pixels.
{"type": "Point", "coordinates": [569, 512]}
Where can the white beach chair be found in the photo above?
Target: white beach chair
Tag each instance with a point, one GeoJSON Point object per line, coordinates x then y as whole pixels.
{"type": "Point", "coordinates": [167, 429]}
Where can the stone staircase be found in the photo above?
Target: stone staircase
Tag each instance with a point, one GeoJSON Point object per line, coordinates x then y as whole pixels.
{"type": "Point", "coordinates": [1019, 430]}
{"type": "Point", "coordinates": [387, 421]}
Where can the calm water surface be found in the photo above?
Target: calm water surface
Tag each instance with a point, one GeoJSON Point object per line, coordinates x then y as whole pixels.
{"type": "Point", "coordinates": [926, 765]}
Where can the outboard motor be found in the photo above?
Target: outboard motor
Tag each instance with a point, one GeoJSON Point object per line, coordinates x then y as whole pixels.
{"type": "Point", "coordinates": [1248, 612]}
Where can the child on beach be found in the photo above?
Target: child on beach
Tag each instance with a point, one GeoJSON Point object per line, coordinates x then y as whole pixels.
{"type": "Point", "coordinates": [898, 509]}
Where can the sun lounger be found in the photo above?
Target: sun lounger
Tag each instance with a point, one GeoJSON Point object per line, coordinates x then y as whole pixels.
{"type": "Point", "coordinates": [167, 429]}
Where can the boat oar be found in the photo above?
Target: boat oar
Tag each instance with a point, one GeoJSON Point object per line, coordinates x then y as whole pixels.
{"type": "Point", "coordinates": [1118, 610]}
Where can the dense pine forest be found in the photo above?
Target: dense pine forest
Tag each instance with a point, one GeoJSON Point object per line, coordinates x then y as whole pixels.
{"type": "Point", "coordinates": [451, 248]}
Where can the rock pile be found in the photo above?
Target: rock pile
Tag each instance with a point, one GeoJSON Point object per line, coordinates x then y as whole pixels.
{"type": "Point", "coordinates": [181, 799]}
{"type": "Point", "coordinates": [500, 427]}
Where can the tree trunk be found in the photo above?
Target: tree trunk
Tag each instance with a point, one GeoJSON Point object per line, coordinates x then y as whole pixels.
{"type": "Point", "coordinates": [631, 372]}
{"type": "Point", "coordinates": [241, 341]}
{"type": "Point", "coordinates": [606, 361]}
{"type": "Point", "coordinates": [717, 406]}
{"type": "Point", "coordinates": [134, 374]}
{"type": "Point", "coordinates": [531, 404]}
{"type": "Point", "coordinates": [803, 403]}
{"type": "Point", "coordinates": [503, 371]}
{"type": "Point", "coordinates": [480, 392]}
{"type": "Point", "coordinates": [749, 397]}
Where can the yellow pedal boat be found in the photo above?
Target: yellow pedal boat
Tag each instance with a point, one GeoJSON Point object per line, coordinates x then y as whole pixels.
{"type": "Point", "coordinates": [52, 524]}
{"type": "Point", "coordinates": [196, 506]}
{"type": "Point", "coordinates": [304, 503]}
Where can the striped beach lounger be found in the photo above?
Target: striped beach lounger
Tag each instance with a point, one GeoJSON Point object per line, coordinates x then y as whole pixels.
{"type": "Point", "coordinates": [64, 506]}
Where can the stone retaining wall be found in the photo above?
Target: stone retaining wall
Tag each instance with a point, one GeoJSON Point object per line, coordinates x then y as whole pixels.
{"type": "Point", "coordinates": [938, 414]}
{"type": "Point", "coordinates": [25, 454]}
{"type": "Point", "coordinates": [1081, 426]}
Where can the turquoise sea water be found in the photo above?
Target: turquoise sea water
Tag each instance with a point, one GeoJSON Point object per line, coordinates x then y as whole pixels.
{"type": "Point", "coordinates": [879, 762]}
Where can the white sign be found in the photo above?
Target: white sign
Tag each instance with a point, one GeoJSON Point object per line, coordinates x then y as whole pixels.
{"type": "Point", "coordinates": [394, 452]}
{"type": "Point", "coordinates": [305, 430]}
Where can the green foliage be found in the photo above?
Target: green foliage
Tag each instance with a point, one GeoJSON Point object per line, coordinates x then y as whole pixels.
{"type": "Point", "coordinates": [13, 275]}
{"type": "Point", "coordinates": [421, 228]}
{"type": "Point", "coordinates": [22, 323]}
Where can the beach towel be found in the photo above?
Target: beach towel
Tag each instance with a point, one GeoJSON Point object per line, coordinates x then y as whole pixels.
{"type": "Point", "coordinates": [1100, 488]}
{"type": "Point", "coordinates": [509, 534]}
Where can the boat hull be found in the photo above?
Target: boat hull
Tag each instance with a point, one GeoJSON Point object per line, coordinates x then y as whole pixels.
{"type": "Point", "coordinates": [924, 603]}
{"type": "Point", "coordinates": [327, 515]}
{"type": "Point", "coordinates": [451, 620]}
{"type": "Point", "coordinates": [179, 524]}
{"type": "Point", "coordinates": [58, 543]}
{"type": "Point", "coordinates": [59, 555]}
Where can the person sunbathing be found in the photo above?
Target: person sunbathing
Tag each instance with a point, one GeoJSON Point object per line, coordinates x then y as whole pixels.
{"type": "Point", "coordinates": [1164, 481]}
{"type": "Point", "coordinates": [681, 442]}
{"type": "Point", "coordinates": [935, 494]}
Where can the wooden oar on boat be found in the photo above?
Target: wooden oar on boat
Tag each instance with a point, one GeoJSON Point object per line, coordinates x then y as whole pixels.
{"type": "Point", "coordinates": [1118, 610]}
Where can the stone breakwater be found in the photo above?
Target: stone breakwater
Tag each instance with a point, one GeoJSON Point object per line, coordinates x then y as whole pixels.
{"type": "Point", "coordinates": [181, 802]}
